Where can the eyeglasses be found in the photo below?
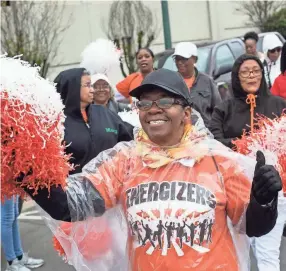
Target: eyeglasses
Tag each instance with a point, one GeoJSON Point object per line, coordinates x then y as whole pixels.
{"type": "Point", "coordinates": [163, 103]}
{"type": "Point", "coordinates": [101, 88]}
{"type": "Point", "coordinates": [246, 74]}
{"type": "Point", "coordinates": [180, 58]}
{"type": "Point", "coordinates": [87, 85]}
{"type": "Point", "coordinates": [277, 49]}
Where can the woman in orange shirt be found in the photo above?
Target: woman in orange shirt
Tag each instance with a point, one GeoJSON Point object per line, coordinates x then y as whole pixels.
{"type": "Point", "coordinates": [145, 61]}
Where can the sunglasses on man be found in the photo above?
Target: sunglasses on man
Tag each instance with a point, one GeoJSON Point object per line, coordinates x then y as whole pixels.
{"type": "Point", "coordinates": [277, 49]}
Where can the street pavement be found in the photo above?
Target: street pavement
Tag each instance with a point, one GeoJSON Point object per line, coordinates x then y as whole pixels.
{"type": "Point", "coordinates": [37, 240]}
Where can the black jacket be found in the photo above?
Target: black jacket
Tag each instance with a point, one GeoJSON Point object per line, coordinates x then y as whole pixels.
{"type": "Point", "coordinates": [205, 96]}
{"type": "Point", "coordinates": [232, 116]}
{"type": "Point", "coordinates": [86, 140]}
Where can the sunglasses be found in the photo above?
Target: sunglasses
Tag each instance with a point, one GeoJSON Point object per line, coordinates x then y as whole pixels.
{"type": "Point", "coordinates": [180, 58]}
{"type": "Point", "coordinates": [277, 49]}
{"type": "Point", "coordinates": [163, 103]}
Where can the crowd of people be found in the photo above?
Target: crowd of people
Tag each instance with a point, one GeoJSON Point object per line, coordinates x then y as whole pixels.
{"type": "Point", "coordinates": [168, 163]}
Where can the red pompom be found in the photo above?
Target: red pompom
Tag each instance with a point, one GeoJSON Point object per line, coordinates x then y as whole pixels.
{"type": "Point", "coordinates": [269, 136]}
{"type": "Point", "coordinates": [30, 147]}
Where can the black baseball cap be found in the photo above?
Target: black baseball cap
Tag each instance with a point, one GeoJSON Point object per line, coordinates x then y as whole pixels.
{"type": "Point", "coordinates": [164, 79]}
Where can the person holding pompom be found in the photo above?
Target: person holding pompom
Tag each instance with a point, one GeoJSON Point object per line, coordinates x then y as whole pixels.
{"type": "Point", "coordinates": [171, 175]}
{"type": "Point", "coordinates": [238, 115]}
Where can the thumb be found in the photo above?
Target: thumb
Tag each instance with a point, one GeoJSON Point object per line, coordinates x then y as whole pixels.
{"type": "Point", "coordinates": [260, 159]}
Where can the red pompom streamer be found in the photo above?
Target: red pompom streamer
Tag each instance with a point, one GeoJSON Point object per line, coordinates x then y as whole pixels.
{"type": "Point", "coordinates": [31, 144]}
{"type": "Point", "coordinates": [268, 136]}
{"type": "Point", "coordinates": [92, 238]}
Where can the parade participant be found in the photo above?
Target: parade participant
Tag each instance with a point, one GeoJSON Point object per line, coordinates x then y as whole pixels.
{"type": "Point", "coordinates": [145, 62]}
{"type": "Point", "coordinates": [104, 94]}
{"type": "Point", "coordinates": [251, 97]}
{"type": "Point", "coordinates": [89, 129]}
{"type": "Point", "coordinates": [171, 173]}
{"type": "Point", "coordinates": [279, 86]}
{"type": "Point", "coordinates": [250, 40]}
{"type": "Point", "coordinates": [272, 51]}
{"type": "Point", "coordinates": [204, 94]}
{"type": "Point", "coordinates": [238, 115]}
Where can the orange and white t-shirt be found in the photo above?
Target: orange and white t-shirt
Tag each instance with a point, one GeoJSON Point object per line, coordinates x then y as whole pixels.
{"type": "Point", "coordinates": [132, 81]}
{"type": "Point", "coordinates": [190, 81]}
{"type": "Point", "coordinates": [177, 214]}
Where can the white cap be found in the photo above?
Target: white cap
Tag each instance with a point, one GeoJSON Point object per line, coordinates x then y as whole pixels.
{"type": "Point", "coordinates": [270, 42]}
{"type": "Point", "coordinates": [186, 49]}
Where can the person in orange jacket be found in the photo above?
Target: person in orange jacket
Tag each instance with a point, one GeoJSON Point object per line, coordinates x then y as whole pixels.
{"type": "Point", "coordinates": [145, 61]}
{"type": "Point", "coordinates": [172, 174]}
{"type": "Point", "coordinates": [279, 86]}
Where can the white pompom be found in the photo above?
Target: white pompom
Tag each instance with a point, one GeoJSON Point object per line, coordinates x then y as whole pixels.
{"type": "Point", "coordinates": [131, 117]}
{"type": "Point", "coordinates": [22, 82]}
{"type": "Point", "coordinates": [100, 56]}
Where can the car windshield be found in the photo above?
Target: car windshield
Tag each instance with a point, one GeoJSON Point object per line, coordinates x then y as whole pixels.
{"type": "Point", "coordinates": [202, 64]}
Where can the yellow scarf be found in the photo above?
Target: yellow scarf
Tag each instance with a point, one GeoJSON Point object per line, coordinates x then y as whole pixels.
{"type": "Point", "coordinates": [155, 156]}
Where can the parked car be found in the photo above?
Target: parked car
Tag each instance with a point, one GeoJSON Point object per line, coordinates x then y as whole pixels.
{"type": "Point", "coordinates": [215, 59]}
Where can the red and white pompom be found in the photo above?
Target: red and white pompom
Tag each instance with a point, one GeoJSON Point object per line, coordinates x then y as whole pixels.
{"type": "Point", "coordinates": [31, 129]}
{"type": "Point", "coordinates": [270, 138]}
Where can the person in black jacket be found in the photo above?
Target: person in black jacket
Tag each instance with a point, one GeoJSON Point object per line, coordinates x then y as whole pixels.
{"type": "Point", "coordinates": [89, 129]}
{"type": "Point", "coordinates": [231, 117]}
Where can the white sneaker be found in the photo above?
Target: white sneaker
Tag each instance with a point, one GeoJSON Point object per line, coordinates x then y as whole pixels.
{"type": "Point", "coordinates": [16, 266]}
{"type": "Point", "coordinates": [31, 262]}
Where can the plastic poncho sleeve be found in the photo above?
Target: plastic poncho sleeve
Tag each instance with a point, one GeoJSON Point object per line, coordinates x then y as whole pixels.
{"type": "Point", "coordinates": [245, 213]}
{"type": "Point", "coordinates": [237, 189]}
{"type": "Point", "coordinates": [88, 194]}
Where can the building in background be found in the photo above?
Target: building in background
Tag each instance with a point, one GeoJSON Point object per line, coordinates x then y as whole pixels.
{"type": "Point", "coordinates": [190, 21]}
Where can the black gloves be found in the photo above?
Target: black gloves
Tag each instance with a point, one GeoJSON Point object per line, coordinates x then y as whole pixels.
{"type": "Point", "coordinates": [266, 181]}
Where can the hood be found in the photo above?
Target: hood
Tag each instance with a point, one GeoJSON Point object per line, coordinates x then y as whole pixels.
{"type": "Point", "coordinates": [68, 85]}
{"type": "Point", "coordinates": [238, 91]}
{"type": "Point", "coordinates": [101, 76]}
{"type": "Point", "coordinates": [270, 42]}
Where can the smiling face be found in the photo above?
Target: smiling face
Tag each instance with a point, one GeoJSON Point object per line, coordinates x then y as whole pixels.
{"type": "Point", "coordinates": [185, 66]}
{"type": "Point", "coordinates": [250, 75]}
{"type": "Point", "coordinates": [164, 127]}
{"type": "Point", "coordinates": [144, 61]}
{"type": "Point", "coordinates": [102, 92]}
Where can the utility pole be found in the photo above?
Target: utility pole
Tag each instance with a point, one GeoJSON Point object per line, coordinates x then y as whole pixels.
{"type": "Point", "coordinates": [166, 24]}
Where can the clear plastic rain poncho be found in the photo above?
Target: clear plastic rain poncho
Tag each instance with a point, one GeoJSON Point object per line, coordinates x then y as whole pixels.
{"type": "Point", "coordinates": [175, 208]}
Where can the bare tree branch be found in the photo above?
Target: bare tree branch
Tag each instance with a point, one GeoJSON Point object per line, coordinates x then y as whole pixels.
{"type": "Point", "coordinates": [131, 25]}
{"type": "Point", "coordinates": [34, 29]}
{"type": "Point", "coordinates": [259, 11]}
